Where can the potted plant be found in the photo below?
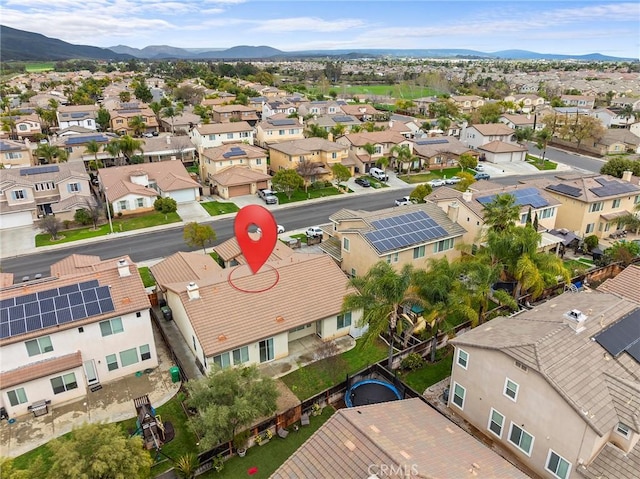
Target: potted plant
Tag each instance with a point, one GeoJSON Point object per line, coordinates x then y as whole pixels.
{"type": "Point", "coordinates": [240, 442]}
{"type": "Point", "coordinates": [265, 437]}
{"type": "Point", "coordinates": [218, 463]}
{"type": "Point", "coordinates": [316, 410]}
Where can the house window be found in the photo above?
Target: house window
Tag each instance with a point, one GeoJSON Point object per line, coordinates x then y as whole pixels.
{"type": "Point", "coordinates": [418, 252]}
{"type": "Point", "coordinates": [266, 350]}
{"type": "Point", "coordinates": [122, 204]}
{"type": "Point", "coordinates": [241, 355]}
{"type": "Point", "coordinates": [523, 218]}
{"type": "Point", "coordinates": [511, 389]}
{"type": "Point", "coordinates": [594, 207]}
{"type": "Point", "coordinates": [345, 244]}
{"type": "Point", "coordinates": [111, 326]}
{"type": "Point", "coordinates": [547, 213]}
{"type": "Point", "coordinates": [222, 360]}
{"type": "Point", "coordinates": [615, 203]}
{"type": "Point", "coordinates": [73, 187]}
{"type": "Point", "coordinates": [17, 396]}
{"type": "Point", "coordinates": [195, 346]}
{"type": "Point", "coordinates": [281, 132]}
{"type": "Point", "coordinates": [344, 320]}
{"type": "Point", "coordinates": [392, 258]}
{"type": "Point", "coordinates": [458, 395]}
{"type": "Point", "coordinates": [140, 202]}
{"type": "Point", "coordinates": [443, 245]}
{"type": "Point", "coordinates": [112, 362]}
{"type": "Point", "coordinates": [521, 366]}
{"type": "Point", "coordinates": [145, 352]}
{"type": "Point", "coordinates": [63, 383]}
{"type": "Point", "coordinates": [334, 155]}
{"type": "Point", "coordinates": [13, 155]}
{"type": "Point", "coordinates": [590, 228]}
{"type": "Point", "coordinates": [128, 357]}
{"type": "Point", "coordinates": [521, 439]}
{"type": "Point", "coordinates": [39, 346]}
{"type": "Point", "coordinates": [623, 429]}
{"type": "Point", "coordinates": [353, 272]}
{"type": "Point", "coordinates": [463, 358]}
{"type": "Point", "coordinates": [558, 465]}
{"type": "Point", "coordinates": [258, 161]}
{"type": "Point", "coordinates": [229, 136]}
{"type": "Point", "coordinates": [496, 421]}
{"type": "Point", "coordinates": [19, 194]}
{"type": "Point", "coordinates": [636, 200]}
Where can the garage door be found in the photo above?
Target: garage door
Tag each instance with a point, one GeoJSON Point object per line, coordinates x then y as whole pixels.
{"type": "Point", "coordinates": [183, 196]}
{"type": "Point", "coordinates": [262, 185]}
{"type": "Point", "coordinates": [239, 190]}
{"type": "Point", "coordinates": [15, 220]}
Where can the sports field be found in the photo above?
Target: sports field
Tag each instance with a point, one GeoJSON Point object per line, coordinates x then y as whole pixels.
{"type": "Point", "coordinates": [402, 91]}
{"type": "Point", "coordinates": [39, 67]}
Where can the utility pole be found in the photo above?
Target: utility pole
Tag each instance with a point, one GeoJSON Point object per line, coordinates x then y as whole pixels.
{"type": "Point", "coordinates": [108, 209]}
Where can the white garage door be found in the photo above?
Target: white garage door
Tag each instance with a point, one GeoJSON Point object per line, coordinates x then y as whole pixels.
{"type": "Point", "coordinates": [15, 220]}
{"type": "Point", "coordinates": [183, 196]}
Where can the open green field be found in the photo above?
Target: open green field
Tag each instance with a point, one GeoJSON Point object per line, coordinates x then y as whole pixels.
{"type": "Point", "coordinates": [39, 67]}
{"type": "Point", "coordinates": [399, 91]}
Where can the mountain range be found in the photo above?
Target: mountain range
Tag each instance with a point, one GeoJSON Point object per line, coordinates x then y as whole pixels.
{"type": "Point", "coordinates": [22, 45]}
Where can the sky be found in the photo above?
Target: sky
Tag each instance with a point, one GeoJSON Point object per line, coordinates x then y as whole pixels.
{"type": "Point", "coordinates": [571, 27]}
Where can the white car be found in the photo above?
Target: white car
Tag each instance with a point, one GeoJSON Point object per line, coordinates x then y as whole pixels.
{"type": "Point", "coordinates": [479, 167]}
{"type": "Point", "coordinates": [403, 201]}
{"type": "Point", "coordinates": [279, 228]}
{"type": "Point", "coordinates": [453, 180]}
{"type": "Point", "coordinates": [436, 182]}
{"type": "Point", "coordinates": [314, 232]}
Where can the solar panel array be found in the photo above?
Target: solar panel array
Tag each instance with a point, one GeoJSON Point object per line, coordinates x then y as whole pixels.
{"type": "Point", "coordinates": [31, 312]}
{"type": "Point", "coordinates": [440, 141]}
{"type": "Point", "coordinates": [80, 114]}
{"type": "Point", "coordinates": [38, 170]}
{"type": "Point", "coordinates": [6, 146]}
{"type": "Point", "coordinates": [566, 189]}
{"type": "Point", "coordinates": [78, 140]}
{"type": "Point", "coordinates": [283, 122]}
{"type": "Point", "coordinates": [613, 187]}
{"type": "Point", "coordinates": [234, 151]}
{"type": "Point", "coordinates": [343, 119]}
{"type": "Point", "coordinates": [404, 230]}
{"type": "Point", "coordinates": [526, 196]}
{"type": "Point", "coordinates": [623, 335]}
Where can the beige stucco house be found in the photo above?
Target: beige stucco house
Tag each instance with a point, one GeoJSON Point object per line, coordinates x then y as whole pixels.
{"type": "Point", "coordinates": [548, 385]}
{"type": "Point", "coordinates": [216, 134]}
{"type": "Point", "coordinates": [438, 152]}
{"type": "Point", "coordinates": [278, 128]}
{"type": "Point", "coordinates": [316, 151]}
{"type": "Point", "coordinates": [382, 141]}
{"type": "Point", "coordinates": [122, 115]}
{"type": "Point", "coordinates": [234, 113]}
{"type": "Point", "coordinates": [15, 154]}
{"type": "Point", "coordinates": [467, 103]}
{"type": "Point", "coordinates": [77, 115]}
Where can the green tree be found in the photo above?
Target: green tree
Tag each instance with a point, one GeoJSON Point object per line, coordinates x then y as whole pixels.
{"type": "Point", "coordinates": [129, 145]}
{"type": "Point", "coordinates": [165, 205]}
{"type": "Point", "coordinates": [142, 91]}
{"type": "Point", "coordinates": [197, 235]}
{"type": "Point", "coordinates": [114, 150]}
{"type": "Point", "coordinates": [229, 400]}
{"type": "Point", "coordinates": [582, 128]}
{"type": "Point", "coordinates": [487, 113]}
{"type": "Point", "coordinates": [170, 112]}
{"type": "Point", "coordinates": [93, 148]}
{"type": "Point", "coordinates": [623, 251]}
{"type": "Point", "coordinates": [89, 214]}
{"type": "Point", "coordinates": [125, 96]}
{"type": "Point", "coordinates": [103, 119]}
{"type": "Point", "coordinates": [467, 160]}
{"type": "Point", "coordinates": [444, 123]}
{"type": "Point", "coordinates": [501, 213]}
{"type": "Point", "coordinates": [617, 165]}
{"type": "Point", "coordinates": [466, 180]}
{"type": "Point", "coordinates": [138, 125]}
{"type": "Point", "coordinates": [402, 156]}
{"type": "Point", "coordinates": [338, 130]}
{"type": "Point", "coordinates": [51, 153]}
{"type": "Point", "coordinates": [420, 192]}
{"type": "Point", "coordinates": [543, 137]}
{"type": "Point", "coordinates": [315, 131]}
{"type": "Point", "coordinates": [99, 451]}
{"type": "Point", "coordinates": [626, 113]}
{"type": "Point", "coordinates": [340, 173]}
{"type": "Point", "coordinates": [287, 181]}
{"type": "Point", "coordinates": [523, 134]}
{"type": "Point", "coordinates": [591, 242]}
{"type": "Point", "coordinates": [380, 294]}
{"type": "Point", "coordinates": [187, 465]}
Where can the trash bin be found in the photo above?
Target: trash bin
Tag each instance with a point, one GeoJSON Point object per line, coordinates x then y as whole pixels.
{"type": "Point", "coordinates": [166, 313]}
{"type": "Point", "coordinates": [175, 374]}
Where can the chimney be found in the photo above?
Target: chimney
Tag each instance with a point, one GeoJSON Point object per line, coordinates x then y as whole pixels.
{"type": "Point", "coordinates": [452, 211]}
{"type": "Point", "coordinates": [123, 268]}
{"type": "Point", "coordinates": [193, 291]}
{"type": "Point", "coordinates": [168, 139]}
{"type": "Point", "coordinates": [575, 319]}
{"type": "Point", "coordinates": [626, 176]}
{"type": "Point", "coordinates": [467, 196]}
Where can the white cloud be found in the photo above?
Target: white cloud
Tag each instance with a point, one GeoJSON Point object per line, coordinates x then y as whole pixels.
{"type": "Point", "coordinates": [306, 24]}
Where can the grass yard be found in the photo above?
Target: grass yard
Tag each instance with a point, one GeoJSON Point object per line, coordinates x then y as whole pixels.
{"type": "Point", "coordinates": [147, 279]}
{"type": "Point", "coordinates": [268, 457]}
{"type": "Point", "coordinates": [320, 375]}
{"type": "Point", "coordinates": [301, 195]}
{"type": "Point", "coordinates": [429, 374]}
{"type": "Point", "coordinates": [215, 208]}
{"type": "Point", "coordinates": [576, 267]}
{"type": "Point", "coordinates": [403, 90]}
{"type": "Point", "coordinates": [545, 165]}
{"type": "Point", "coordinates": [301, 236]}
{"type": "Point", "coordinates": [119, 225]}
{"type": "Point", "coordinates": [429, 175]}
{"type": "Point", "coordinates": [39, 67]}
{"type": "Point", "coordinates": [375, 183]}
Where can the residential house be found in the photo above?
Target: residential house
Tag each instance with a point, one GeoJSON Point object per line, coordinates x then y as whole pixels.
{"type": "Point", "coordinates": [76, 146]}
{"type": "Point", "coordinates": [320, 153]}
{"type": "Point", "coordinates": [234, 113]}
{"type": "Point", "coordinates": [134, 188]}
{"type": "Point", "coordinates": [28, 126]}
{"type": "Point", "coordinates": [406, 438]}
{"type": "Point", "coordinates": [467, 103]}
{"type": "Point", "coordinates": [222, 328]}
{"type": "Point", "coordinates": [223, 98]}
{"type": "Point", "coordinates": [318, 108]}
{"type": "Point", "coordinates": [515, 121]}
{"type": "Point", "coordinates": [180, 124]}
{"type": "Point", "coordinates": [467, 208]}
{"type": "Point", "coordinates": [77, 115]}
{"type": "Point", "coordinates": [257, 103]}
{"type": "Point", "coordinates": [382, 141]}
{"type": "Point", "coordinates": [235, 170]}
{"type": "Point", "coordinates": [410, 234]}
{"type": "Point", "coordinates": [122, 115]}
{"type": "Point", "coordinates": [169, 147]}
{"type": "Point", "coordinates": [363, 112]}
{"type": "Point", "coordinates": [635, 128]}
{"type": "Point", "coordinates": [281, 106]}
{"type": "Point", "coordinates": [495, 141]}
{"type": "Point", "coordinates": [626, 284]}
{"type": "Point", "coordinates": [525, 103]}
{"type": "Point", "coordinates": [612, 117]}
{"type": "Point", "coordinates": [556, 385]}
{"type": "Point", "coordinates": [618, 141]}
{"type": "Point", "coordinates": [230, 254]}
{"type": "Point", "coordinates": [580, 101]}
{"type": "Point", "coordinates": [216, 134]}
{"type": "Point", "coordinates": [278, 128]}
{"type": "Point", "coordinates": [407, 126]}
{"type": "Point", "coordinates": [624, 101]}
{"type": "Point", "coordinates": [63, 336]}
{"type": "Point", "coordinates": [29, 193]}
{"type": "Point", "coordinates": [423, 104]}
{"type": "Point", "coordinates": [15, 154]}
{"type": "Point", "coordinates": [438, 152]}
{"type": "Point", "coordinates": [328, 122]}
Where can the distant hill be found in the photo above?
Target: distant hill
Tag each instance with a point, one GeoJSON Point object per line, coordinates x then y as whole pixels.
{"type": "Point", "coordinates": [165, 51]}
{"type": "Point", "coordinates": [21, 45]}
{"type": "Point", "coordinates": [526, 55]}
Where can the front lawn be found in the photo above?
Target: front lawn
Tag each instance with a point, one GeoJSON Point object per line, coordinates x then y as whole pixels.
{"type": "Point", "coordinates": [120, 225]}
{"type": "Point", "coordinates": [309, 380]}
{"type": "Point", "coordinates": [301, 236]}
{"type": "Point", "coordinates": [375, 183]}
{"type": "Point", "coordinates": [429, 374]}
{"type": "Point", "coordinates": [215, 208]}
{"type": "Point", "coordinates": [311, 193]}
{"type": "Point", "coordinates": [576, 267]}
{"type": "Point", "coordinates": [147, 278]}
{"type": "Point", "coordinates": [541, 165]}
{"type": "Point", "coordinates": [425, 176]}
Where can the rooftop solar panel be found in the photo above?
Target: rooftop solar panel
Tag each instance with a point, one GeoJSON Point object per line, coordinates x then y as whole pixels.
{"type": "Point", "coordinates": [38, 170]}
{"type": "Point", "coordinates": [79, 114]}
{"type": "Point", "coordinates": [78, 140]}
{"type": "Point", "coordinates": [440, 141]}
{"type": "Point", "coordinates": [7, 147]}
{"type": "Point", "coordinates": [634, 351]}
{"type": "Point", "coordinates": [524, 197]}
{"type": "Point", "coordinates": [621, 335]}
{"type": "Point", "coordinates": [566, 189]}
{"type": "Point", "coordinates": [343, 119]}
{"type": "Point", "coordinates": [283, 122]}
{"type": "Point", "coordinates": [611, 188]}
{"type": "Point", "coordinates": [404, 230]}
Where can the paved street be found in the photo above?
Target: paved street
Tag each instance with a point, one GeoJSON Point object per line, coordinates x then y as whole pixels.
{"type": "Point", "coordinates": [580, 163]}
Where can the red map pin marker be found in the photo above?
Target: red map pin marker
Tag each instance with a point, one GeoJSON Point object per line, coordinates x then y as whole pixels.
{"type": "Point", "coordinates": [255, 251]}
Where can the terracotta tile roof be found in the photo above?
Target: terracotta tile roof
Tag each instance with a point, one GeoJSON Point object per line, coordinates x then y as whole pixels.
{"type": "Point", "coordinates": [519, 119]}
{"type": "Point", "coordinates": [250, 152]}
{"type": "Point", "coordinates": [231, 108]}
{"type": "Point", "coordinates": [267, 124]}
{"type": "Point", "coordinates": [306, 146]}
{"type": "Point", "coordinates": [310, 287]}
{"type": "Point", "coordinates": [230, 249]}
{"type": "Point", "coordinates": [452, 145]}
{"type": "Point", "coordinates": [612, 462]}
{"type": "Point", "coordinates": [74, 264]}
{"type": "Point", "coordinates": [497, 146]}
{"type": "Point", "coordinates": [374, 137]}
{"type": "Point", "coordinates": [572, 363]}
{"type": "Point", "coordinates": [626, 284]}
{"type": "Point", "coordinates": [6, 279]}
{"type": "Point", "coordinates": [238, 175]}
{"type": "Point", "coordinates": [400, 433]}
{"type": "Point", "coordinates": [40, 369]}
{"type": "Point", "coordinates": [230, 127]}
{"type": "Point", "coordinates": [184, 267]}
{"type": "Point", "coordinates": [493, 129]}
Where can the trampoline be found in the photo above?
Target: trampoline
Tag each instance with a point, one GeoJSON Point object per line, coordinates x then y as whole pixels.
{"type": "Point", "coordinates": [371, 391]}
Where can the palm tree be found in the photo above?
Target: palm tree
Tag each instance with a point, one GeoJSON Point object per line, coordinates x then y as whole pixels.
{"type": "Point", "coordinates": [114, 150]}
{"type": "Point", "coordinates": [338, 130]}
{"type": "Point", "coordinates": [128, 146]}
{"type": "Point", "coordinates": [315, 131]}
{"type": "Point", "coordinates": [52, 154]}
{"type": "Point", "coordinates": [138, 125]}
{"type": "Point", "coordinates": [93, 148]}
{"type": "Point", "coordinates": [401, 155]}
{"type": "Point", "coordinates": [156, 108]}
{"type": "Point", "coordinates": [501, 213]}
{"type": "Point", "coordinates": [380, 294]}
{"type": "Point", "coordinates": [543, 137]}
{"type": "Point", "coordinates": [170, 112]}
{"type": "Point", "coordinates": [444, 123]}
{"type": "Point", "coordinates": [627, 112]}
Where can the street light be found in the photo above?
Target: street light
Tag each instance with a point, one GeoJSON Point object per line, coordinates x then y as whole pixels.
{"type": "Point", "coordinates": [108, 209]}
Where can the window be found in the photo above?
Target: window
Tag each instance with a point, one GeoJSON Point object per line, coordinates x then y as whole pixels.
{"type": "Point", "coordinates": [241, 355]}
{"type": "Point", "coordinates": [266, 350]}
{"type": "Point", "coordinates": [111, 326]}
{"type": "Point", "coordinates": [145, 352]}
{"type": "Point", "coordinates": [443, 245]}
{"type": "Point", "coordinates": [622, 429]}
{"type": "Point", "coordinates": [353, 272]}
{"type": "Point", "coordinates": [418, 252]}
{"type": "Point", "coordinates": [229, 136]}
{"type": "Point", "coordinates": [392, 258]}
{"type": "Point", "coordinates": [63, 383]}
{"type": "Point", "coordinates": [511, 389]}
{"type": "Point", "coordinates": [17, 396]}
{"type": "Point", "coordinates": [73, 187]}
{"type": "Point", "coordinates": [39, 346]}
{"type": "Point", "coordinates": [281, 132]}
{"type": "Point", "coordinates": [615, 203]}
{"type": "Point", "coordinates": [140, 202]}
{"type": "Point", "coordinates": [258, 161]}
{"type": "Point", "coordinates": [636, 200]}
{"type": "Point", "coordinates": [345, 244]}
{"type": "Point", "coordinates": [334, 155]}
{"type": "Point", "coordinates": [521, 366]}
{"type": "Point", "coordinates": [558, 465]}
{"type": "Point", "coordinates": [463, 358]}
{"type": "Point", "coordinates": [547, 213]}
{"type": "Point", "coordinates": [521, 438]}
{"type": "Point", "coordinates": [590, 228]}
{"type": "Point", "coordinates": [523, 218]}
{"type": "Point", "coordinates": [128, 357]}
{"type": "Point", "coordinates": [12, 155]}
{"type": "Point", "coordinates": [344, 320]}
{"type": "Point", "coordinates": [594, 207]}
{"type": "Point", "coordinates": [122, 204]}
{"type": "Point", "coordinates": [19, 194]}
{"type": "Point", "coordinates": [112, 362]}
{"type": "Point", "coordinates": [496, 421]}
{"type": "Point", "coordinates": [222, 360]}
{"type": "Point", "coordinates": [458, 395]}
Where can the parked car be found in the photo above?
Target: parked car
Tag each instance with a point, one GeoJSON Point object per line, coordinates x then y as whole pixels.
{"type": "Point", "coordinates": [479, 167]}
{"type": "Point", "coordinates": [453, 180]}
{"type": "Point", "coordinates": [363, 182]}
{"type": "Point", "coordinates": [314, 232]}
{"type": "Point", "coordinates": [378, 174]}
{"type": "Point", "coordinates": [436, 182]}
{"type": "Point", "coordinates": [482, 176]}
{"type": "Point", "coordinates": [268, 196]}
{"type": "Point", "coordinates": [405, 200]}
{"type": "Point", "coordinates": [279, 229]}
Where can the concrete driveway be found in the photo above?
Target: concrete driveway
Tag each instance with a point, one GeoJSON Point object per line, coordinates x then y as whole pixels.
{"type": "Point", "coordinates": [192, 211]}
{"type": "Point", "coordinates": [16, 241]}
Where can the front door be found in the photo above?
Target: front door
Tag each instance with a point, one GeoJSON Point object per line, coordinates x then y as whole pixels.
{"type": "Point", "coordinates": [90, 372]}
{"type": "Point", "coordinates": [319, 328]}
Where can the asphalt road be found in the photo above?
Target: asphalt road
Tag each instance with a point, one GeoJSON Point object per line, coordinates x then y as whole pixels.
{"type": "Point", "coordinates": [580, 163]}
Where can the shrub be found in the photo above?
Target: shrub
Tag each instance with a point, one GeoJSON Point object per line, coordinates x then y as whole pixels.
{"type": "Point", "coordinates": [240, 439]}
{"type": "Point", "coordinates": [82, 217]}
{"type": "Point", "coordinates": [591, 242]}
{"type": "Point", "coordinates": [412, 361]}
{"type": "Point", "coordinates": [317, 185]}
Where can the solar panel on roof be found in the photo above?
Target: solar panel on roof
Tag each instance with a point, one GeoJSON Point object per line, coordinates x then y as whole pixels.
{"type": "Point", "coordinates": [621, 335]}
{"type": "Point", "coordinates": [38, 170]}
{"type": "Point", "coordinates": [343, 119]}
{"type": "Point", "coordinates": [611, 188]}
{"type": "Point", "coordinates": [283, 122]}
{"type": "Point", "coordinates": [235, 151]}
{"type": "Point", "coordinates": [77, 140]}
{"type": "Point", "coordinates": [439, 141]}
{"type": "Point", "coordinates": [88, 285]}
{"type": "Point", "coordinates": [566, 189]}
{"type": "Point", "coordinates": [4, 330]}
{"type": "Point", "coordinates": [404, 230]}
{"type": "Point", "coordinates": [634, 351]}
{"type": "Point", "coordinates": [526, 196]}
{"type": "Point", "coordinates": [79, 114]}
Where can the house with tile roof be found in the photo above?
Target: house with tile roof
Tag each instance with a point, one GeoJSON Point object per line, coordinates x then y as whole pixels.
{"type": "Point", "coordinates": [364, 112]}
{"type": "Point", "coordinates": [77, 115]}
{"type": "Point", "coordinates": [235, 169]}
{"type": "Point", "coordinates": [394, 439]}
{"type": "Point", "coordinates": [321, 153]}
{"type": "Point", "coordinates": [15, 154]}
{"type": "Point", "coordinates": [234, 113]}
{"type": "Point", "coordinates": [134, 188]}
{"type": "Point", "coordinates": [626, 284]}
{"type": "Point", "coordinates": [32, 192]}
{"type": "Point", "coordinates": [618, 141]}
{"type": "Point", "coordinates": [516, 121]}
{"type": "Point", "coordinates": [210, 135]}
{"type": "Point", "coordinates": [280, 106]}
{"type": "Point", "coordinates": [231, 255]}
{"type": "Point", "coordinates": [581, 101]}
{"type": "Point", "coordinates": [439, 152]}
{"type": "Point", "coordinates": [75, 144]}
{"type": "Point", "coordinates": [410, 234]}
{"type": "Point", "coordinates": [557, 385]}
{"type": "Point", "coordinates": [28, 126]}
{"type": "Point", "coordinates": [63, 336]}
{"type": "Point", "coordinates": [327, 122]}
{"type": "Point", "coordinates": [169, 147]}
{"type": "Point", "coordinates": [496, 141]}
{"type": "Point", "coordinates": [123, 113]}
{"type": "Point", "coordinates": [526, 103]}
{"type": "Point", "coordinates": [320, 107]}
{"type": "Point", "coordinates": [467, 103]}
{"type": "Point", "coordinates": [231, 317]}
{"type": "Point", "coordinates": [382, 141]}
{"type": "Point", "coordinates": [278, 128]}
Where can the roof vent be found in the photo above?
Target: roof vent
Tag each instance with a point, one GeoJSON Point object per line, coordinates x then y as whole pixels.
{"type": "Point", "coordinates": [123, 268]}
{"type": "Point", "coordinates": [193, 291]}
{"type": "Point", "coordinates": [575, 319]}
